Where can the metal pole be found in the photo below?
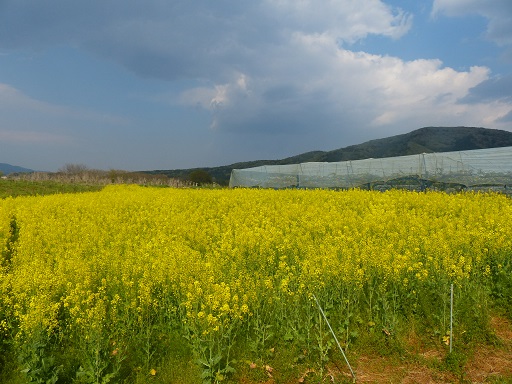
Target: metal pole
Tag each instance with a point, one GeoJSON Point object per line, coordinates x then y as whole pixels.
{"type": "Point", "coordinates": [451, 317]}
{"type": "Point", "coordinates": [336, 339]}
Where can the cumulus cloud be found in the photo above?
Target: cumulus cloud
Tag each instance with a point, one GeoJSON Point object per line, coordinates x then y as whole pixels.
{"type": "Point", "coordinates": [338, 86]}
{"type": "Point", "coordinates": [490, 97]}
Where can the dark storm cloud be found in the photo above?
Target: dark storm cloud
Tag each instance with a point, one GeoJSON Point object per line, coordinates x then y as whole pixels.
{"type": "Point", "coordinates": [199, 39]}
{"type": "Point", "coordinates": [167, 40]}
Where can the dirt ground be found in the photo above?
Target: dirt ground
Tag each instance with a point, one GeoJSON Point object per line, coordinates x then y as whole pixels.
{"type": "Point", "coordinates": [488, 364]}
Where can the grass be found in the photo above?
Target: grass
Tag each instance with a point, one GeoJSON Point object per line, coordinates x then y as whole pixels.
{"type": "Point", "coordinates": [14, 188]}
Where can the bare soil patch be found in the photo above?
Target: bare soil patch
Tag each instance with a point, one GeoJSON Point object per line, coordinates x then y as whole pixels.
{"type": "Point", "coordinates": [488, 364]}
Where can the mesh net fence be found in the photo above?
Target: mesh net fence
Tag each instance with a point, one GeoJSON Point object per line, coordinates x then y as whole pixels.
{"type": "Point", "coordinates": [474, 168]}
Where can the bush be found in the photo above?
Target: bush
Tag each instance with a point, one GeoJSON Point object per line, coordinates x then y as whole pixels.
{"type": "Point", "coordinates": [200, 177]}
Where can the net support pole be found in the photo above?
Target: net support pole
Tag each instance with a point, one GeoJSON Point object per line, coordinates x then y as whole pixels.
{"type": "Point", "coordinates": [335, 339]}
{"type": "Point", "coordinates": [451, 317]}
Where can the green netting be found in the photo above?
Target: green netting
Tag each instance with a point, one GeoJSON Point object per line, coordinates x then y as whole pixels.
{"type": "Point", "coordinates": [491, 166]}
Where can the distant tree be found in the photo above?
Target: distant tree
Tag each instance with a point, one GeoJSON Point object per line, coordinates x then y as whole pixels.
{"type": "Point", "coordinates": [117, 175]}
{"type": "Point", "coordinates": [200, 177]}
{"type": "Point", "coordinates": [73, 169]}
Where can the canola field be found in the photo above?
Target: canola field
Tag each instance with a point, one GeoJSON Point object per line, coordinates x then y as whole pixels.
{"type": "Point", "coordinates": [115, 286]}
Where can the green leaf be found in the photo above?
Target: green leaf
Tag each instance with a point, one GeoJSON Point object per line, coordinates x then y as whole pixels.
{"type": "Point", "coordinates": [206, 374]}
{"type": "Point", "coordinates": [216, 360]}
{"type": "Point", "coordinates": [202, 362]}
{"type": "Point", "coordinates": [229, 369]}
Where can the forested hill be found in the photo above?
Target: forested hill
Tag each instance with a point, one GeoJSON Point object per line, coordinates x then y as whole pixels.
{"type": "Point", "coordinates": [428, 139]}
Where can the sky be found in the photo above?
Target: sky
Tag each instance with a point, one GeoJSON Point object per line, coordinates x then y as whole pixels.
{"type": "Point", "coordinates": [170, 84]}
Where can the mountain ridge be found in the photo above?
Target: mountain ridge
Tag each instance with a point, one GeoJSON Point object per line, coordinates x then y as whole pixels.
{"type": "Point", "coordinates": [422, 140]}
{"type": "Point", "coordinates": [6, 169]}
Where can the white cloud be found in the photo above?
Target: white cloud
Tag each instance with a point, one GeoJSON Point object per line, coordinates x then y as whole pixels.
{"type": "Point", "coordinates": [24, 137]}
{"type": "Point", "coordinates": [497, 12]}
{"type": "Point", "coordinates": [12, 99]}
{"type": "Point", "coordinates": [346, 20]}
{"type": "Point", "coordinates": [218, 96]}
{"type": "Point", "coordinates": [330, 85]}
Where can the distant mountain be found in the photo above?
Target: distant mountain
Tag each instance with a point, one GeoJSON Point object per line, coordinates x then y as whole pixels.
{"type": "Point", "coordinates": [6, 169]}
{"type": "Point", "coordinates": [428, 139]}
